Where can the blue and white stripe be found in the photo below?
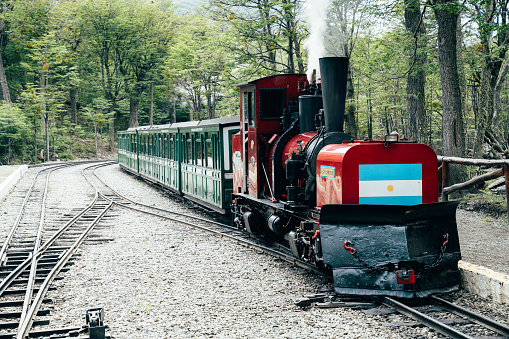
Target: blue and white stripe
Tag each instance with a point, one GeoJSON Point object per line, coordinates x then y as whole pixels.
{"type": "Point", "coordinates": [390, 184]}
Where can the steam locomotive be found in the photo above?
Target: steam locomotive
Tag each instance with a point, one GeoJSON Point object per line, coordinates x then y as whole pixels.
{"type": "Point", "coordinates": [367, 210]}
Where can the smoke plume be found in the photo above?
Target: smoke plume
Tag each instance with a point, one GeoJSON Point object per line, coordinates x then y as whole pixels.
{"type": "Point", "coordinates": [315, 13]}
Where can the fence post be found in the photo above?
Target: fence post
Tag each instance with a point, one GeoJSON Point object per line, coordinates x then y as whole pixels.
{"type": "Point", "coordinates": [506, 174]}
{"type": "Point", "coordinates": [445, 179]}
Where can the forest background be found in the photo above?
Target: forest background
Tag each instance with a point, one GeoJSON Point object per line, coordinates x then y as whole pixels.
{"type": "Point", "coordinates": [73, 73]}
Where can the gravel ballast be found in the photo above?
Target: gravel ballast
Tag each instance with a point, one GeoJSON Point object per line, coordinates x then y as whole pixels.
{"type": "Point", "coordinates": [160, 279]}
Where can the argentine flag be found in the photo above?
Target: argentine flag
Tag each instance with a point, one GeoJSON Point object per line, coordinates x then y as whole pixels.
{"type": "Point", "coordinates": [390, 184]}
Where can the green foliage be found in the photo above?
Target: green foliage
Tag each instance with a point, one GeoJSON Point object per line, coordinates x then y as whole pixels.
{"type": "Point", "coordinates": [262, 31]}
{"type": "Point", "coordinates": [13, 132]}
{"type": "Point", "coordinates": [200, 64]}
{"type": "Point", "coordinates": [103, 56]}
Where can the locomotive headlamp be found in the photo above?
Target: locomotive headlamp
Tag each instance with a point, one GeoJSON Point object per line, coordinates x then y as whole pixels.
{"type": "Point", "coordinates": [392, 137]}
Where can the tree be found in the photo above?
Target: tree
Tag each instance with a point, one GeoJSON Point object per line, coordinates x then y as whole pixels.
{"type": "Point", "coordinates": [344, 20]}
{"type": "Point", "coordinates": [97, 117]}
{"type": "Point", "coordinates": [201, 65]}
{"type": "Point", "coordinates": [446, 13]}
{"type": "Point", "coordinates": [267, 32]}
{"type": "Point", "coordinates": [491, 18]}
{"type": "Point", "coordinates": [13, 130]}
{"type": "Point", "coordinates": [3, 79]}
{"type": "Point", "coordinates": [416, 78]}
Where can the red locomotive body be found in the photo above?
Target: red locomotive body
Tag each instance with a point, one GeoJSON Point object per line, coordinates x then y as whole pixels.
{"type": "Point", "coordinates": [405, 173]}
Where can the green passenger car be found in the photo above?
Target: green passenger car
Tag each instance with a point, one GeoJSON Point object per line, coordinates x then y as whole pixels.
{"type": "Point", "coordinates": [192, 158]}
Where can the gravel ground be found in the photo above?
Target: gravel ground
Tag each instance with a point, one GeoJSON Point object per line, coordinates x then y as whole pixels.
{"type": "Point", "coordinates": [158, 279]}
{"type": "Point", "coordinates": [484, 240]}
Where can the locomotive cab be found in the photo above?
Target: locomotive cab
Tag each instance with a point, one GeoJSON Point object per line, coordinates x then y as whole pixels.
{"type": "Point", "coordinates": [264, 103]}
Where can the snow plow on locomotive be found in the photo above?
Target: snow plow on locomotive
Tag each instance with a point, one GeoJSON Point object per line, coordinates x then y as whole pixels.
{"type": "Point", "coordinates": [366, 209]}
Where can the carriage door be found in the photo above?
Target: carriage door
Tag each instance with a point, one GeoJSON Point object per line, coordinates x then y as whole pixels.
{"type": "Point", "coordinates": [248, 112]}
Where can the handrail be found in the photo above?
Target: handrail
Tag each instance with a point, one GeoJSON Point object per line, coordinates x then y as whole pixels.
{"type": "Point", "coordinates": [445, 190]}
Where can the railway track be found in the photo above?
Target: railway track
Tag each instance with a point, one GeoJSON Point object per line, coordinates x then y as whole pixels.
{"type": "Point", "coordinates": [33, 255]}
{"type": "Point", "coordinates": [29, 270]}
{"type": "Point", "coordinates": [449, 319]}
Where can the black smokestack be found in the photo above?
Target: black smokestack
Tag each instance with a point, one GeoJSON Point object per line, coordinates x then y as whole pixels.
{"type": "Point", "coordinates": [334, 73]}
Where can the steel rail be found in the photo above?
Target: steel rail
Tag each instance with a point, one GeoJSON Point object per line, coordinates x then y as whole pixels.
{"type": "Point", "coordinates": [472, 316]}
{"type": "Point", "coordinates": [21, 267]}
{"type": "Point", "coordinates": [29, 318]}
{"type": "Point", "coordinates": [3, 251]}
{"type": "Point", "coordinates": [29, 312]}
{"type": "Point", "coordinates": [35, 260]}
{"type": "Point", "coordinates": [424, 319]}
{"type": "Point", "coordinates": [156, 208]}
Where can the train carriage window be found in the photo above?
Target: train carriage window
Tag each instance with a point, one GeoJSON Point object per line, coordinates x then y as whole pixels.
{"type": "Point", "coordinates": [152, 144]}
{"type": "Point", "coordinates": [159, 145]}
{"type": "Point", "coordinates": [189, 149]}
{"type": "Point", "coordinates": [215, 149]}
{"type": "Point", "coordinates": [172, 145]}
{"type": "Point", "coordinates": [272, 103]}
{"type": "Point", "coordinates": [199, 153]}
{"type": "Point", "coordinates": [208, 151]}
{"type": "Point", "coordinates": [149, 144]}
{"type": "Point", "coordinates": [249, 108]}
{"type": "Point", "coordinates": [164, 146]}
{"type": "Point", "coordinates": [155, 144]}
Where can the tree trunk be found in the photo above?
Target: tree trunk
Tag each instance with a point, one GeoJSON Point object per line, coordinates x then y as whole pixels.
{"type": "Point", "coordinates": [298, 55]}
{"type": "Point", "coordinates": [291, 37]}
{"type": "Point", "coordinates": [46, 129]}
{"type": "Point", "coordinates": [416, 79]}
{"type": "Point", "coordinates": [95, 139]}
{"type": "Point", "coordinates": [370, 115]}
{"type": "Point", "coordinates": [3, 79]}
{"type": "Point", "coordinates": [74, 112]}
{"type": "Point", "coordinates": [483, 112]}
{"type": "Point", "coordinates": [210, 102]}
{"type": "Point", "coordinates": [35, 138]}
{"type": "Point", "coordinates": [174, 110]}
{"type": "Point", "coordinates": [151, 112]}
{"type": "Point", "coordinates": [134, 102]}
{"type": "Point", "coordinates": [350, 122]}
{"type": "Point", "coordinates": [44, 113]}
{"type": "Point", "coordinates": [111, 130]}
{"type": "Point", "coordinates": [452, 120]}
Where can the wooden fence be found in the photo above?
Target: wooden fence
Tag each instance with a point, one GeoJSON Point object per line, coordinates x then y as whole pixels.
{"type": "Point", "coordinates": [445, 190]}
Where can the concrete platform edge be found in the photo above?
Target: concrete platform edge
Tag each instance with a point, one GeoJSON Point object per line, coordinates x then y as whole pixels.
{"type": "Point", "coordinates": [11, 180]}
{"type": "Point", "coordinates": [484, 282]}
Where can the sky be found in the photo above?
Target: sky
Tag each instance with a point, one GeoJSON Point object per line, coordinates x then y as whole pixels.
{"type": "Point", "coordinates": [188, 4]}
